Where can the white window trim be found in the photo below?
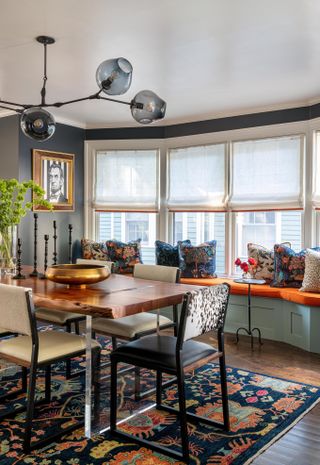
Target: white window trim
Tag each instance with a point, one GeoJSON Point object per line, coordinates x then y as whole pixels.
{"type": "Point", "coordinates": [310, 221]}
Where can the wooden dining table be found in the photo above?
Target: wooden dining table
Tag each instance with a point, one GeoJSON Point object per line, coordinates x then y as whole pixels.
{"type": "Point", "coordinates": [115, 297]}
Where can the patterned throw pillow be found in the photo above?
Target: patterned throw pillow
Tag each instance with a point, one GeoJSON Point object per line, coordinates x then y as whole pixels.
{"type": "Point", "coordinates": [167, 254]}
{"type": "Point", "coordinates": [289, 266]}
{"type": "Point", "coordinates": [124, 255]}
{"type": "Point", "coordinates": [92, 250]}
{"type": "Point", "coordinates": [311, 280]}
{"type": "Point", "coordinates": [265, 260]}
{"type": "Point", "coordinates": [198, 261]}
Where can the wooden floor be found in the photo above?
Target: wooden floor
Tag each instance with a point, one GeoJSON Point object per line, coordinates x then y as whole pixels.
{"type": "Point", "coordinates": [301, 445]}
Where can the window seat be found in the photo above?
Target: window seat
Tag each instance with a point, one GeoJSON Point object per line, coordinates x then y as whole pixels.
{"type": "Point", "coordinates": [311, 299]}
{"type": "Point", "coordinates": [282, 314]}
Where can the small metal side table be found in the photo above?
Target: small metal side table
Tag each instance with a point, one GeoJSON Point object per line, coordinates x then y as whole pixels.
{"type": "Point", "coordinates": [249, 331]}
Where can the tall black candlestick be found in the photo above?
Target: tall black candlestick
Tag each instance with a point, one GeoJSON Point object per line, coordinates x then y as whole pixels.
{"type": "Point", "coordinates": [70, 243]}
{"type": "Point", "coordinates": [19, 269]}
{"type": "Point", "coordinates": [55, 243]}
{"type": "Point", "coordinates": [35, 243]}
{"type": "Point", "coordinates": [46, 240]}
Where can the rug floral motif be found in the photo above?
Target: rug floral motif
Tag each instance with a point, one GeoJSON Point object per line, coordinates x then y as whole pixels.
{"type": "Point", "coordinates": [261, 408]}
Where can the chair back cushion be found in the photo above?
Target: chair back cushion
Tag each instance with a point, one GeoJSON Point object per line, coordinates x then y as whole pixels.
{"type": "Point", "coordinates": [204, 311]}
{"type": "Point", "coordinates": [84, 261]}
{"type": "Point", "coordinates": [167, 274]}
{"type": "Point", "coordinates": [14, 311]}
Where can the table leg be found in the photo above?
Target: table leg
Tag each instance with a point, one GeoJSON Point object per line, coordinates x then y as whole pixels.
{"type": "Point", "coordinates": [88, 385]}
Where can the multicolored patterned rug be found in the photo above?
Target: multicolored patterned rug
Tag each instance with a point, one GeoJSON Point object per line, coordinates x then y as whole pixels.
{"type": "Point", "coordinates": [261, 409]}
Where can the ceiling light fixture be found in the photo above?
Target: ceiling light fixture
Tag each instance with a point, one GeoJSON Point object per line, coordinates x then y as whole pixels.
{"type": "Point", "coordinates": [113, 78]}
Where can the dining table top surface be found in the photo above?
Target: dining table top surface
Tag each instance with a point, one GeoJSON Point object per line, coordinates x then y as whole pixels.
{"type": "Point", "coordinates": [115, 297]}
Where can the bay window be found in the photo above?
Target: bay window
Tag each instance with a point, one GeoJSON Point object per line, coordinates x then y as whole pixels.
{"type": "Point", "coordinates": [234, 192]}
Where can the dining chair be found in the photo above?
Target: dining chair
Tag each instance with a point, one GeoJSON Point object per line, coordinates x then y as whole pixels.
{"type": "Point", "coordinates": [132, 327]}
{"type": "Point", "coordinates": [203, 310]}
{"type": "Point", "coordinates": [33, 350]}
{"type": "Point", "coordinates": [67, 319]}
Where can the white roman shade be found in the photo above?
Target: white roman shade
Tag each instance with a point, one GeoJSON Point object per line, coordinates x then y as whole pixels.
{"type": "Point", "coordinates": [127, 180]}
{"type": "Point", "coordinates": [197, 178]}
{"type": "Point", "coordinates": [267, 174]}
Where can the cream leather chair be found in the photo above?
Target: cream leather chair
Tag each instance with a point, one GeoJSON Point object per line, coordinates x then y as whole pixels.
{"type": "Point", "coordinates": [33, 349]}
{"type": "Point", "coordinates": [141, 324]}
{"type": "Point", "coordinates": [67, 319]}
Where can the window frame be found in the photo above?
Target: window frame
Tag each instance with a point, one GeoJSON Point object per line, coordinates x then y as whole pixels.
{"type": "Point", "coordinates": [310, 222]}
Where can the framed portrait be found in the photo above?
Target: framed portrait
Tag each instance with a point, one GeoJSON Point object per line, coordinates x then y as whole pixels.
{"type": "Point", "coordinates": [54, 172]}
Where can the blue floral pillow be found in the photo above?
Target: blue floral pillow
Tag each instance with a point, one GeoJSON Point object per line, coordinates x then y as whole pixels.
{"type": "Point", "coordinates": [198, 261]}
{"type": "Point", "coordinates": [289, 266]}
{"type": "Point", "coordinates": [167, 254]}
{"type": "Point", "coordinates": [124, 255]}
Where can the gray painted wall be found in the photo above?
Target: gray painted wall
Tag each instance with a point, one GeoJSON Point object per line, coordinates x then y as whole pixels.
{"type": "Point", "coordinates": [9, 147]}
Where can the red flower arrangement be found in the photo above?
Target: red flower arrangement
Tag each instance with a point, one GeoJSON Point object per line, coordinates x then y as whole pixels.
{"type": "Point", "coordinates": [249, 266]}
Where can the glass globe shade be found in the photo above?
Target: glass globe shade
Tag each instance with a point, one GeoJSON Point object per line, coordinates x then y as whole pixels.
{"type": "Point", "coordinates": [153, 107]}
{"type": "Point", "coordinates": [37, 123]}
{"type": "Point", "coordinates": [114, 76]}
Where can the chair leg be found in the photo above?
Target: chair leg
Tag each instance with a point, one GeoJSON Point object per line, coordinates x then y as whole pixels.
{"type": "Point", "coordinates": [24, 379]}
{"type": "Point", "coordinates": [159, 388]}
{"type": "Point", "coordinates": [175, 319]}
{"type": "Point", "coordinates": [224, 393]}
{"type": "Point", "coordinates": [76, 327]}
{"type": "Point", "coordinates": [48, 383]}
{"type": "Point", "coordinates": [113, 395]}
{"type": "Point", "coordinates": [114, 342]}
{"type": "Point", "coordinates": [183, 415]}
{"type": "Point", "coordinates": [30, 409]}
{"type": "Point", "coordinates": [137, 383]}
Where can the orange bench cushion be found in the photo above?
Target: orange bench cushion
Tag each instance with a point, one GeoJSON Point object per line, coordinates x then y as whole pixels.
{"type": "Point", "coordinates": [264, 290]}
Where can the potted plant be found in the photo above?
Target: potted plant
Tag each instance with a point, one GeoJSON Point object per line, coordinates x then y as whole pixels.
{"type": "Point", "coordinates": [13, 206]}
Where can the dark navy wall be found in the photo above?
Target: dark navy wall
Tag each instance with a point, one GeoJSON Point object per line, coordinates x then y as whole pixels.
{"type": "Point", "coordinates": [9, 147]}
{"type": "Point", "coordinates": [66, 139]}
{"type": "Point", "coordinates": [251, 120]}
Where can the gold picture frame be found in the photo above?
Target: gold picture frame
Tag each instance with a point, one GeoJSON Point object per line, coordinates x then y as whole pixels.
{"type": "Point", "coordinates": [54, 172]}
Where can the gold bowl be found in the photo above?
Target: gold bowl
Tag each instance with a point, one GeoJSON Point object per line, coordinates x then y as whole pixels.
{"type": "Point", "coordinates": [78, 276]}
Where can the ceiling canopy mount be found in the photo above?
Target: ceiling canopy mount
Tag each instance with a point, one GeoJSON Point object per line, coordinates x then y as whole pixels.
{"type": "Point", "coordinates": [113, 77]}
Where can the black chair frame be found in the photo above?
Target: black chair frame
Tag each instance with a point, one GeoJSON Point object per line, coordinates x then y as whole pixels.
{"type": "Point", "coordinates": [114, 339]}
{"type": "Point", "coordinates": [33, 366]}
{"type": "Point", "coordinates": [179, 372]}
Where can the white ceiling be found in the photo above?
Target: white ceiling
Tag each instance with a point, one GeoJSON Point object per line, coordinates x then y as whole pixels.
{"type": "Point", "coordinates": [205, 58]}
